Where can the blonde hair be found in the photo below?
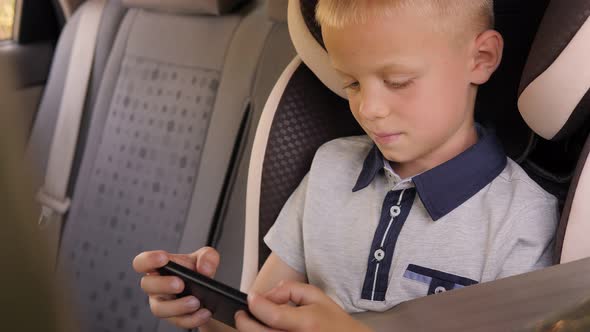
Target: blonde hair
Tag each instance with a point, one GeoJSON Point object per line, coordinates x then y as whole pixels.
{"type": "Point", "coordinates": [339, 13]}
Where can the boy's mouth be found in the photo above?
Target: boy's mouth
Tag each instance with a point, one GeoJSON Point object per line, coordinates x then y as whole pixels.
{"type": "Point", "coordinates": [384, 138]}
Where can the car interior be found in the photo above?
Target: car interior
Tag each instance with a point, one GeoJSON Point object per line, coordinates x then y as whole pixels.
{"type": "Point", "coordinates": [178, 124]}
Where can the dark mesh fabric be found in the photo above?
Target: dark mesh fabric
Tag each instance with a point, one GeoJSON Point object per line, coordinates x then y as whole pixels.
{"type": "Point", "coordinates": [555, 174]}
{"type": "Point", "coordinates": [577, 119]}
{"type": "Point", "coordinates": [308, 115]}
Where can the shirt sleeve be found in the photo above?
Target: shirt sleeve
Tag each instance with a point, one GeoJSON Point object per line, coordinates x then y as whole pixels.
{"type": "Point", "coordinates": [285, 237]}
{"type": "Point", "coordinates": [529, 246]}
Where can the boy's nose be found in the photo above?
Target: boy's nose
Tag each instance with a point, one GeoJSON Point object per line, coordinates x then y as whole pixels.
{"type": "Point", "coordinates": [372, 106]}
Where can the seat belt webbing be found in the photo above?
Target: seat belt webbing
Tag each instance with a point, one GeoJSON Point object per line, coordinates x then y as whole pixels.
{"type": "Point", "coordinates": [53, 194]}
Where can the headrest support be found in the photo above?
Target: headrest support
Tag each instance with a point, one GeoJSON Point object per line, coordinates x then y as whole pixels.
{"type": "Point", "coordinates": [554, 92]}
{"type": "Point", "coordinates": [68, 7]}
{"type": "Point", "coordinates": [188, 7]}
{"type": "Point", "coordinates": [277, 10]}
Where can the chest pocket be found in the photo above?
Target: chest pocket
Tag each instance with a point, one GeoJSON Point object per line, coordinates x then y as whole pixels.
{"type": "Point", "coordinates": [436, 281]}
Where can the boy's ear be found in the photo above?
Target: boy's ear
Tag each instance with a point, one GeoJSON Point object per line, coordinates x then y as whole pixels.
{"type": "Point", "coordinates": [487, 55]}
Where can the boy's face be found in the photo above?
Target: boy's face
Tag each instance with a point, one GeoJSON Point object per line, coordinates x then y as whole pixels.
{"type": "Point", "coordinates": [408, 87]}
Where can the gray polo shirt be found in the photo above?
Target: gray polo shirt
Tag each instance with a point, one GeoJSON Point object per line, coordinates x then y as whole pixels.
{"type": "Point", "coordinates": [371, 240]}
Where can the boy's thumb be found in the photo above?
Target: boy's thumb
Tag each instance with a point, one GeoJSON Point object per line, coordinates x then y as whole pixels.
{"type": "Point", "coordinates": [276, 316]}
{"type": "Point", "coordinates": [207, 261]}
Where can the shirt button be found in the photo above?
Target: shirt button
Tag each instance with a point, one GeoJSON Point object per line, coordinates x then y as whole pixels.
{"type": "Point", "coordinates": [379, 254]}
{"type": "Point", "coordinates": [395, 211]}
{"type": "Point", "coordinates": [439, 289]}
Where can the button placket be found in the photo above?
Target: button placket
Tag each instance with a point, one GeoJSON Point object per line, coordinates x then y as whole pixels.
{"type": "Point", "coordinates": [394, 212]}
{"type": "Point", "coordinates": [384, 241]}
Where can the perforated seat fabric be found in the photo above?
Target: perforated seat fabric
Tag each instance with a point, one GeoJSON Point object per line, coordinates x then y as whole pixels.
{"type": "Point", "coordinates": [138, 170]}
{"type": "Point", "coordinates": [308, 117]}
{"type": "Point", "coordinates": [162, 129]}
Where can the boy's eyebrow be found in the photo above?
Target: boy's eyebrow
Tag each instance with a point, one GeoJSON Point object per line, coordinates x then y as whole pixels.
{"type": "Point", "coordinates": [337, 69]}
{"type": "Point", "coordinates": [398, 66]}
{"type": "Point", "coordinates": [389, 67]}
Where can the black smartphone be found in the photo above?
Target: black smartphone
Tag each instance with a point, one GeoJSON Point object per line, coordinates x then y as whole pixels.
{"type": "Point", "coordinates": [222, 300]}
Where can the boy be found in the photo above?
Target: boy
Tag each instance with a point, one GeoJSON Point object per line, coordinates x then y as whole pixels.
{"type": "Point", "coordinates": [426, 203]}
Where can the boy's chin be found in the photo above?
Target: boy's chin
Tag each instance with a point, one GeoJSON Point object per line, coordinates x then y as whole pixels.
{"type": "Point", "coordinates": [396, 156]}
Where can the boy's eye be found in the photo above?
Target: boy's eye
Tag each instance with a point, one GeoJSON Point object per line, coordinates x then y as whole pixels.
{"type": "Point", "coordinates": [398, 85]}
{"type": "Point", "coordinates": [352, 86]}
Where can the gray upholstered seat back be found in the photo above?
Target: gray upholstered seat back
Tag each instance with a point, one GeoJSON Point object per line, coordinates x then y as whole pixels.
{"type": "Point", "coordinates": [229, 233]}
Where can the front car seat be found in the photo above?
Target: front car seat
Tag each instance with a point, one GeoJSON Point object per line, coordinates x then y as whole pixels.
{"type": "Point", "coordinates": [156, 146]}
{"type": "Point", "coordinates": [228, 236]}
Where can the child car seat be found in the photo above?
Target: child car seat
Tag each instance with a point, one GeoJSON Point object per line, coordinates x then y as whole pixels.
{"type": "Point", "coordinates": [308, 108]}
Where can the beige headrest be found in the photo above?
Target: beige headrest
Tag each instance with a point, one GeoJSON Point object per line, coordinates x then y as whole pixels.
{"type": "Point", "coordinates": [310, 51]}
{"type": "Point", "coordinates": [555, 89]}
{"type": "Point", "coordinates": [277, 10]}
{"type": "Point", "coordinates": [213, 7]}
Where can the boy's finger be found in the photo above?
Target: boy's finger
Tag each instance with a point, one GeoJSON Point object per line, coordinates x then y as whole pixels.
{"type": "Point", "coordinates": [277, 316]}
{"type": "Point", "coordinates": [192, 320]}
{"type": "Point", "coordinates": [184, 260]}
{"type": "Point", "coordinates": [158, 285]}
{"type": "Point", "coordinates": [245, 323]}
{"type": "Point", "coordinates": [278, 295]}
{"type": "Point", "coordinates": [296, 292]}
{"type": "Point", "coordinates": [173, 308]}
{"type": "Point", "coordinates": [149, 261]}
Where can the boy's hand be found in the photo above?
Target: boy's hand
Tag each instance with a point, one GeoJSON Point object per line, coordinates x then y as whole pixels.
{"type": "Point", "coordinates": [315, 311]}
{"type": "Point", "coordinates": [183, 312]}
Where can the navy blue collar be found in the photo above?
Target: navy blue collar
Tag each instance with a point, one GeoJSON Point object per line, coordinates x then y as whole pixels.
{"type": "Point", "coordinates": [447, 186]}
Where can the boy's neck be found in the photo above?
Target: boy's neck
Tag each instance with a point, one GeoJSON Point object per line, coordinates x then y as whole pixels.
{"type": "Point", "coordinates": [463, 139]}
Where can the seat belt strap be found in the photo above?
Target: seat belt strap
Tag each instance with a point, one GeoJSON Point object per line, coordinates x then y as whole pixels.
{"type": "Point", "coordinates": [53, 194]}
